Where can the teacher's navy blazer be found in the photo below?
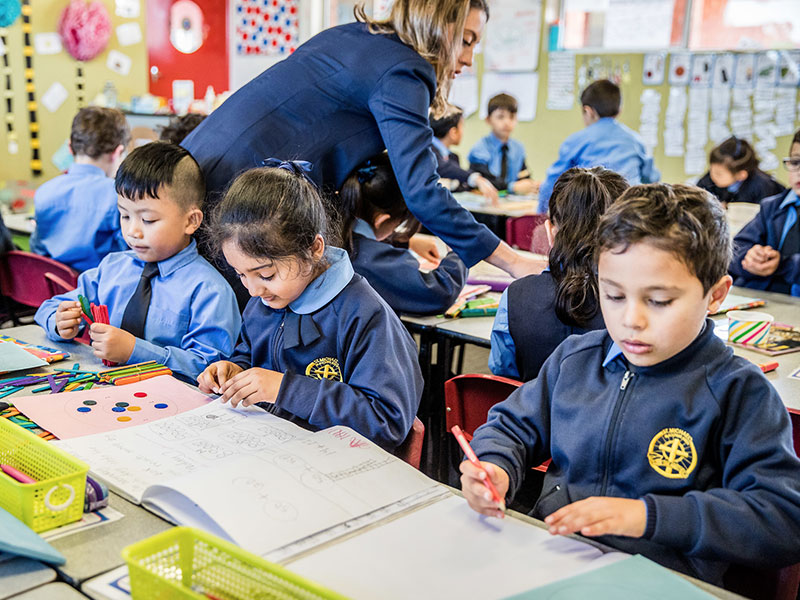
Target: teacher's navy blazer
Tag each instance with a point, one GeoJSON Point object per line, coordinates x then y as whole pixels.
{"type": "Point", "coordinates": [340, 98]}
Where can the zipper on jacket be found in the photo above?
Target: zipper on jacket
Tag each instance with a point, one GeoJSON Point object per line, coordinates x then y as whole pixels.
{"type": "Point", "coordinates": [275, 344]}
{"type": "Point", "coordinates": [623, 386]}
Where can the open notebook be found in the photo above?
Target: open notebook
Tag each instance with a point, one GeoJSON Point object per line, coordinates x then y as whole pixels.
{"type": "Point", "coordinates": [253, 478]}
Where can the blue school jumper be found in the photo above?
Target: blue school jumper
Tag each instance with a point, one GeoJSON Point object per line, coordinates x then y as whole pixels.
{"type": "Point", "coordinates": [340, 98]}
{"type": "Point", "coordinates": [526, 329]}
{"type": "Point", "coordinates": [486, 158]}
{"type": "Point", "coordinates": [193, 319]}
{"type": "Point", "coordinates": [776, 225]}
{"type": "Point", "coordinates": [77, 221]}
{"type": "Point", "coordinates": [449, 167]}
{"type": "Point", "coordinates": [346, 358]}
{"type": "Point", "coordinates": [702, 438]}
{"type": "Point", "coordinates": [754, 189]}
{"type": "Point", "coordinates": [605, 143]}
{"type": "Point", "coordinates": [394, 273]}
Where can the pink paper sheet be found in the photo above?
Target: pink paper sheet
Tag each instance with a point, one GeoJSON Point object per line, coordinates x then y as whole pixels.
{"type": "Point", "coordinates": [59, 414]}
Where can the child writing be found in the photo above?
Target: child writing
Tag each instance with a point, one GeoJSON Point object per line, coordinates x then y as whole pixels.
{"type": "Point", "coordinates": [165, 302]}
{"type": "Point", "coordinates": [564, 297]}
{"type": "Point", "coordinates": [318, 345]}
{"type": "Point", "coordinates": [662, 441]}
{"type": "Point", "coordinates": [733, 174]}
{"type": "Point", "coordinates": [497, 157]}
{"type": "Point", "coordinates": [373, 208]}
{"type": "Point", "coordinates": [77, 222]}
{"type": "Point", "coordinates": [766, 252]}
{"type": "Point", "coordinates": [603, 142]}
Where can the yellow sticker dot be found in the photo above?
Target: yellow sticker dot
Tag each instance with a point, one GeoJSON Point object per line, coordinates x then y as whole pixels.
{"type": "Point", "coordinates": [123, 419]}
{"type": "Point", "coordinates": [134, 408]}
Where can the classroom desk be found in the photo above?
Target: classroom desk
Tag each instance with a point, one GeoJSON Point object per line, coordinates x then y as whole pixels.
{"type": "Point", "coordinates": [18, 575]}
{"type": "Point", "coordinates": [52, 591]}
{"type": "Point", "coordinates": [495, 217]}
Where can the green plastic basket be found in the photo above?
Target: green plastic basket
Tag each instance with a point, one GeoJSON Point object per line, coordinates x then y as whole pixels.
{"type": "Point", "coordinates": [184, 562]}
{"type": "Point", "coordinates": [57, 496]}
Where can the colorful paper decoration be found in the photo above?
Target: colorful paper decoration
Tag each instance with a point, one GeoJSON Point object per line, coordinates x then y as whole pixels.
{"type": "Point", "coordinates": [266, 26]}
{"type": "Point", "coordinates": [85, 28]}
{"type": "Point", "coordinates": [9, 11]}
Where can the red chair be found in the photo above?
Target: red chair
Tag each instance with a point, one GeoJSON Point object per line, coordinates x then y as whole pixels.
{"type": "Point", "coordinates": [411, 449]}
{"type": "Point", "coordinates": [527, 233]}
{"type": "Point", "coordinates": [24, 278]}
{"type": "Point", "coordinates": [468, 398]}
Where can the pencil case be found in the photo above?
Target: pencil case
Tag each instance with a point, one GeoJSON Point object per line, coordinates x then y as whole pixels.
{"type": "Point", "coordinates": [56, 497]}
{"type": "Point", "coordinates": [184, 562]}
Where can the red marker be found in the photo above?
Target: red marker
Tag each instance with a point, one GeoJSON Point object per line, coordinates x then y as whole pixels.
{"type": "Point", "coordinates": [767, 367]}
{"type": "Point", "coordinates": [18, 475]}
{"type": "Point", "coordinates": [462, 441]}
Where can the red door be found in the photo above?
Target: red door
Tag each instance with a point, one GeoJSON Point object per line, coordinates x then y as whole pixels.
{"type": "Point", "coordinates": [200, 28]}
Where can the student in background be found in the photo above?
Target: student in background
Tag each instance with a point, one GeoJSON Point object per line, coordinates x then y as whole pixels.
{"type": "Point", "coordinates": [449, 131]}
{"type": "Point", "coordinates": [563, 298]}
{"type": "Point", "coordinates": [179, 127]}
{"type": "Point", "coordinates": [603, 143]}
{"type": "Point", "coordinates": [373, 209]}
{"type": "Point", "coordinates": [499, 158]}
{"type": "Point", "coordinates": [766, 252]}
{"type": "Point", "coordinates": [663, 443]}
{"type": "Point", "coordinates": [77, 222]}
{"type": "Point", "coordinates": [733, 174]}
{"type": "Point", "coordinates": [318, 345]}
{"type": "Point", "coordinates": [165, 302]}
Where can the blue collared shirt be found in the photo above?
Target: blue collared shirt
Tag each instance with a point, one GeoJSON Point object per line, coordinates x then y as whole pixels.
{"type": "Point", "coordinates": [193, 319]}
{"type": "Point", "coordinates": [503, 354]}
{"type": "Point", "coordinates": [613, 353]}
{"type": "Point", "coordinates": [77, 221]}
{"type": "Point", "coordinates": [488, 151]}
{"type": "Point", "coordinates": [791, 200]}
{"type": "Point", "coordinates": [605, 143]}
{"type": "Point", "coordinates": [361, 227]}
{"type": "Point", "coordinates": [439, 146]}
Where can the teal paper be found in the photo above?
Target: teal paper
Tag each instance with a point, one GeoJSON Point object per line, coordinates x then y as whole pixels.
{"type": "Point", "coordinates": [19, 539]}
{"type": "Point", "coordinates": [16, 358]}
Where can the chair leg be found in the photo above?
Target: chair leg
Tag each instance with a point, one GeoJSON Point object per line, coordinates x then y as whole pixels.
{"type": "Point", "coordinates": [462, 349]}
{"type": "Point", "coordinates": [8, 307]}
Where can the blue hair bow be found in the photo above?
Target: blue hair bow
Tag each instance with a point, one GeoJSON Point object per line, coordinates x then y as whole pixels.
{"type": "Point", "coordinates": [298, 167]}
{"type": "Point", "coordinates": [366, 173]}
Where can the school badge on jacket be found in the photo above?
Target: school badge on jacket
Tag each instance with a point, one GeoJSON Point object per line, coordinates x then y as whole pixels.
{"type": "Point", "coordinates": [324, 368]}
{"type": "Point", "coordinates": [672, 453]}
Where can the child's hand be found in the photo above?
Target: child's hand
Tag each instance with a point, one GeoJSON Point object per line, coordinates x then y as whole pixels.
{"type": "Point", "coordinates": [487, 190]}
{"type": "Point", "coordinates": [425, 248]}
{"type": "Point", "coordinates": [761, 260]}
{"type": "Point", "coordinates": [524, 187]}
{"type": "Point", "coordinates": [477, 494]}
{"type": "Point", "coordinates": [600, 516]}
{"type": "Point", "coordinates": [111, 343]}
{"type": "Point", "coordinates": [68, 319]}
{"type": "Point", "coordinates": [251, 386]}
{"type": "Point", "coordinates": [210, 381]}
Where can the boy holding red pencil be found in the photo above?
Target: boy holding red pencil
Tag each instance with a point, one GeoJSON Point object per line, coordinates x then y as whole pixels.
{"type": "Point", "coordinates": [165, 302]}
{"type": "Point", "coordinates": [663, 443]}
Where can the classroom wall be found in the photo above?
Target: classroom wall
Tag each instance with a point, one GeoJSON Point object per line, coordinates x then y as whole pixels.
{"type": "Point", "coordinates": [543, 136]}
{"type": "Point", "coordinates": [54, 127]}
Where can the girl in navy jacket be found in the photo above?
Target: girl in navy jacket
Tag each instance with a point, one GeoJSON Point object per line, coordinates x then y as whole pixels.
{"type": "Point", "coordinates": [373, 209]}
{"type": "Point", "coordinates": [318, 345]}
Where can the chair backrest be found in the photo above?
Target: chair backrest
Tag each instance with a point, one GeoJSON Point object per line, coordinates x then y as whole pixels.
{"type": "Point", "coordinates": [411, 449]}
{"type": "Point", "coordinates": [468, 399]}
{"type": "Point", "coordinates": [520, 233]}
{"type": "Point", "coordinates": [58, 286]}
{"type": "Point", "coordinates": [23, 277]}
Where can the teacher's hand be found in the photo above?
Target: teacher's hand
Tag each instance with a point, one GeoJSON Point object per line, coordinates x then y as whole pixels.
{"type": "Point", "coordinates": [514, 263]}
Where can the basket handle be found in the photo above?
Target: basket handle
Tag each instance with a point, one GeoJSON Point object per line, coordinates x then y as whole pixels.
{"type": "Point", "coordinates": [63, 505]}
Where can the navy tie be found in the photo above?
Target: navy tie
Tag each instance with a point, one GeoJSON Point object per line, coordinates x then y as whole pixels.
{"type": "Point", "coordinates": [504, 163]}
{"type": "Point", "coordinates": [135, 315]}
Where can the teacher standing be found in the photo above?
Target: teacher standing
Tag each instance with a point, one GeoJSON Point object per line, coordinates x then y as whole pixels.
{"type": "Point", "coordinates": [349, 93]}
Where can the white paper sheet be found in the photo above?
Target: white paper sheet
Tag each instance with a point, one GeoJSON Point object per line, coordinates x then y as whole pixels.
{"type": "Point", "coordinates": [649, 116]}
{"type": "Point", "coordinates": [702, 70]}
{"type": "Point", "coordinates": [54, 97]}
{"type": "Point", "coordinates": [523, 86]}
{"type": "Point", "coordinates": [511, 42]}
{"type": "Point", "coordinates": [638, 24]}
{"type": "Point", "coordinates": [744, 70]}
{"type": "Point", "coordinates": [679, 68]}
{"type": "Point", "coordinates": [129, 34]}
{"type": "Point", "coordinates": [673, 121]}
{"type": "Point", "coordinates": [119, 62]}
{"type": "Point", "coordinates": [464, 93]}
{"type": "Point", "coordinates": [560, 80]}
{"type": "Point", "coordinates": [653, 68]}
{"type": "Point", "coordinates": [47, 43]}
{"type": "Point", "coordinates": [128, 9]}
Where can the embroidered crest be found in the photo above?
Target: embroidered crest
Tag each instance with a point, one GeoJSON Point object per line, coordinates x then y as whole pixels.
{"type": "Point", "coordinates": [324, 368]}
{"type": "Point", "coordinates": [672, 453]}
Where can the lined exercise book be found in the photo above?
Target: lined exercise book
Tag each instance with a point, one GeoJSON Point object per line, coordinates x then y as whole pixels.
{"type": "Point", "coordinates": [250, 477]}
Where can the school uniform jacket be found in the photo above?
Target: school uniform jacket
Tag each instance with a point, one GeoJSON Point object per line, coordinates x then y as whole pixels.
{"type": "Point", "coordinates": [701, 437]}
{"type": "Point", "coordinates": [340, 98]}
{"type": "Point", "coordinates": [755, 188]}
{"type": "Point", "coordinates": [394, 273]}
{"type": "Point", "coordinates": [770, 227]}
{"type": "Point", "coordinates": [346, 358]}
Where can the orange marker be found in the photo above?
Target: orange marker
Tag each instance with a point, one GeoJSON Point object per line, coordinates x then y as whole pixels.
{"type": "Point", "coordinates": [462, 441]}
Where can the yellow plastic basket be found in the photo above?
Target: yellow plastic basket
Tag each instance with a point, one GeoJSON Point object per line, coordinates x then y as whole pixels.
{"type": "Point", "coordinates": [184, 562]}
{"type": "Point", "coordinates": [57, 496]}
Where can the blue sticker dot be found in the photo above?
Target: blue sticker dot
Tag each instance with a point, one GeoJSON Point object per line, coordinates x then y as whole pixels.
{"type": "Point", "coordinates": [288, 22]}
{"type": "Point", "coordinates": [238, 9]}
{"type": "Point", "coordinates": [283, 9]}
{"type": "Point", "coordinates": [84, 409]}
{"type": "Point", "coordinates": [118, 409]}
{"type": "Point", "coordinates": [275, 17]}
{"type": "Point", "coordinates": [161, 405]}
{"type": "Point", "coordinates": [239, 48]}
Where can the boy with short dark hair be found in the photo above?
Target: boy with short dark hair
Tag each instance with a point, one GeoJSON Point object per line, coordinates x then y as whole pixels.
{"type": "Point", "coordinates": [767, 249]}
{"type": "Point", "coordinates": [77, 222]}
{"type": "Point", "coordinates": [165, 302]}
{"type": "Point", "coordinates": [662, 441]}
{"type": "Point", "coordinates": [604, 142]}
{"type": "Point", "coordinates": [497, 157]}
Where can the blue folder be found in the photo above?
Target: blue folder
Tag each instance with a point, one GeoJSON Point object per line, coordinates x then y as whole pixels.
{"type": "Point", "coordinates": [19, 539]}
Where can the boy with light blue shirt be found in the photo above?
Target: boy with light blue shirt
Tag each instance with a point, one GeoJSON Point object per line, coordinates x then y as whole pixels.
{"type": "Point", "coordinates": [77, 222]}
{"type": "Point", "coordinates": [604, 142]}
{"type": "Point", "coordinates": [496, 156]}
{"type": "Point", "coordinates": [165, 302]}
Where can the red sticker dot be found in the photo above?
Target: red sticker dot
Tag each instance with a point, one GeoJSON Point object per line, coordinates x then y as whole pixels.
{"type": "Point", "coordinates": [140, 395]}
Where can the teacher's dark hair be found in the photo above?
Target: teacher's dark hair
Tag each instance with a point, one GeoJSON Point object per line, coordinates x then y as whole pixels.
{"type": "Point", "coordinates": [435, 30]}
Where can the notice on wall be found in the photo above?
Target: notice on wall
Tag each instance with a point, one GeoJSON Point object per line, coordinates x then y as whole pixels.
{"type": "Point", "coordinates": [464, 93]}
{"type": "Point", "coordinates": [54, 97]}
{"type": "Point", "coordinates": [673, 121]}
{"type": "Point", "coordinates": [511, 42]}
{"type": "Point", "coordinates": [648, 118]}
{"type": "Point", "coordinates": [560, 80]}
{"type": "Point", "coordinates": [653, 68]}
{"type": "Point", "coordinates": [639, 24]}
{"type": "Point", "coordinates": [679, 68]}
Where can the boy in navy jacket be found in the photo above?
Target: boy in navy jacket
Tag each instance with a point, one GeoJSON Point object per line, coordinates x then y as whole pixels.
{"type": "Point", "coordinates": [662, 441]}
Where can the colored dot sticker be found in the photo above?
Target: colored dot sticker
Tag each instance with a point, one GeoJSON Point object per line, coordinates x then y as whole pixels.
{"type": "Point", "coordinates": [90, 402]}
{"type": "Point", "coordinates": [121, 404]}
{"type": "Point", "coordinates": [140, 395]}
{"type": "Point", "coordinates": [134, 408]}
{"type": "Point", "coordinates": [123, 419]}
{"type": "Point", "coordinates": [161, 405]}
{"type": "Point", "coordinates": [118, 409]}
{"type": "Point", "coordinates": [84, 409]}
